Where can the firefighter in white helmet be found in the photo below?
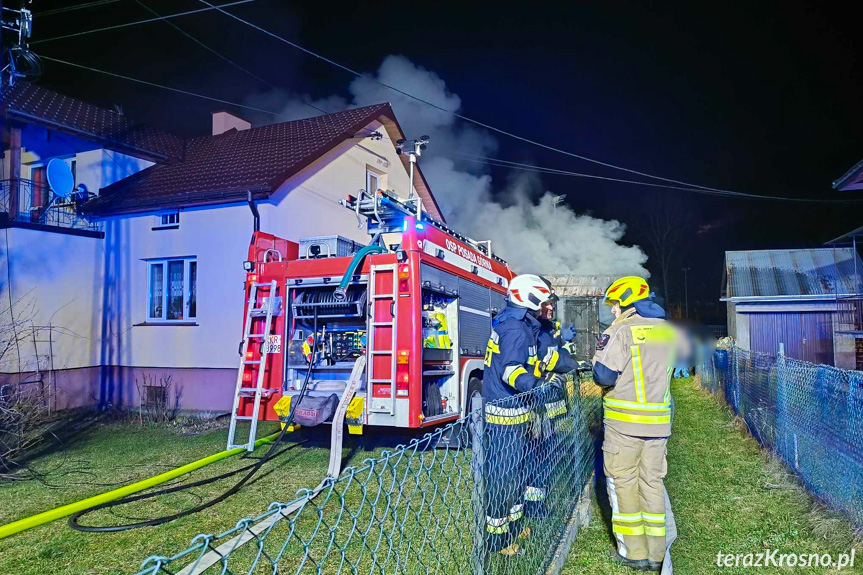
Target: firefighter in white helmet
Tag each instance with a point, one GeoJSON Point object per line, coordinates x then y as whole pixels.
{"type": "Point", "coordinates": [509, 370]}
{"type": "Point", "coordinates": [633, 363]}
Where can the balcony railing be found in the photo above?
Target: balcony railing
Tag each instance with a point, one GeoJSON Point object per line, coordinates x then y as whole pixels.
{"type": "Point", "coordinates": [31, 202]}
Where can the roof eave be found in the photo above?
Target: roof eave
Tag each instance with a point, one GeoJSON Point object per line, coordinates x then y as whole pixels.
{"type": "Point", "coordinates": [855, 170]}
{"type": "Point", "coordinates": [106, 142]}
{"type": "Point", "coordinates": [227, 197]}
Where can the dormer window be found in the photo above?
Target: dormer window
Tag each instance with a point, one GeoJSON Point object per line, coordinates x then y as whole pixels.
{"type": "Point", "coordinates": [167, 221]}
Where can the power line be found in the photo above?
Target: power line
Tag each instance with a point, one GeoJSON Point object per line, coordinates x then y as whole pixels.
{"type": "Point", "coordinates": [554, 171]}
{"type": "Point", "coordinates": [75, 7]}
{"type": "Point", "coordinates": [456, 114]}
{"type": "Point", "coordinates": [213, 51]}
{"type": "Point", "coordinates": [147, 21]}
{"type": "Point", "coordinates": [201, 44]}
{"type": "Point", "coordinates": [155, 85]}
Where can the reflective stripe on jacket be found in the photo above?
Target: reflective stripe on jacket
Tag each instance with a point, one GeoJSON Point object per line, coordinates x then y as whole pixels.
{"type": "Point", "coordinates": [641, 352]}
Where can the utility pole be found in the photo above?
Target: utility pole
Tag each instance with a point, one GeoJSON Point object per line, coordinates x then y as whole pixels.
{"type": "Point", "coordinates": [686, 290]}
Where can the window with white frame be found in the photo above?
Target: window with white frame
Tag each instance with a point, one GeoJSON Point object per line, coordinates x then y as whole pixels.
{"type": "Point", "coordinates": [167, 220]}
{"type": "Point", "coordinates": [373, 181]}
{"type": "Point", "coordinates": [172, 290]}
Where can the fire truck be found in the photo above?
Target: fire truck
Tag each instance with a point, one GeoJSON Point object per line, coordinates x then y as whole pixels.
{"type": "Point", "coordinates": [391, 334]}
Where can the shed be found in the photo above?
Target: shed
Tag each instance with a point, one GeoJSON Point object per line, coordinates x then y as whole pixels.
{"type": "Point", "coordinates": [580, 304]}
{"type": "Point", "coordinates": [792, 297]}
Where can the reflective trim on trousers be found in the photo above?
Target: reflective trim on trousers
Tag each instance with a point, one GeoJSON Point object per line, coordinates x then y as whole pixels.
{"type": "Point", "coordinates": [612, 496]}
{"type": "Point", "coordinates": [628, 529]}
{"type": "Point", "coordinates": [516, 512]}
{"type": "Point", "coordinates": [654, 531]}
{"type": "Point", "coordinates": [627, 517]}
{"type": "Point", "coordinates": [496, 525]}
{"type": "Point", "coordinates": [555, 408]}
{"type": "Point", "coordinates": [534, 494]}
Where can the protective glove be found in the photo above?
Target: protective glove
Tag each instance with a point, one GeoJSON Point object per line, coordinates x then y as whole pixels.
{"type": "Point", "coordinates": [584, 366]}
{"type": "Point", "coordinates": [556, 380]}
{"type": "Point", "coordinates": [567, 332]}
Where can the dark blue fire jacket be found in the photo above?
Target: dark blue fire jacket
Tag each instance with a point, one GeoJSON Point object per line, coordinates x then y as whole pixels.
{"type": "Point", "coordinates": [550, 349]}
{"type": "Point", "coordinates": [511, 354]}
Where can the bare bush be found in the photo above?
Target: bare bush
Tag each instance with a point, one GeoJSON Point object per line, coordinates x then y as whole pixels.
{"type": "Point", "coordinates": [159, 396]}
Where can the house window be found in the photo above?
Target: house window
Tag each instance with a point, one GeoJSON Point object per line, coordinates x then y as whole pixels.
{"type": "Point", "coordinates": [169, 220]}
{"type": "Point", "coordinates": [373, 181]}
{"type": "Point", "coordinates": [172, 290]}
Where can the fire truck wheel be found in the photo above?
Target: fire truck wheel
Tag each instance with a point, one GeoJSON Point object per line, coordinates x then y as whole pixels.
{"type": "Point", "coordinates": [474, 389]}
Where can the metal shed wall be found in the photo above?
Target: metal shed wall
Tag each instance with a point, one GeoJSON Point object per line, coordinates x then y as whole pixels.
{"type": "Point", "coordinates": [807, 336]}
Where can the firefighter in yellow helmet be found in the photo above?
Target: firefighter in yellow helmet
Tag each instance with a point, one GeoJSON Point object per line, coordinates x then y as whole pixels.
{"type": "Point", "coordinates": [633, 360]}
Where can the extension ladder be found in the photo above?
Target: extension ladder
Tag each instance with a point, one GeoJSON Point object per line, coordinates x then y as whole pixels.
{"type": "Point", "coordinates": [269, 305]}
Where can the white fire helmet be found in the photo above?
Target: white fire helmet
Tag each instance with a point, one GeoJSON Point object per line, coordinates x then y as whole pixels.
{"type": "Point", "coordinates": [530, 291]}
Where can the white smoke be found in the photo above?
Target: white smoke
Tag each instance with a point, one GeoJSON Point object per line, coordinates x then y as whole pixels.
{"type": "Point", "coordinates": [520, 219]}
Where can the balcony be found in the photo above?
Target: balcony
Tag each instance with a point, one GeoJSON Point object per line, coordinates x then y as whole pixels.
{"type": "Point", "coordinates": [33, 204]}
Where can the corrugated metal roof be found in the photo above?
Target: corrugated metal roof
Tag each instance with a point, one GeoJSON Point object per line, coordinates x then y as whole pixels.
{"type": "Point", "coordinates": [772, 274]}
{"type": "Point", "coordinates": [581, 285]}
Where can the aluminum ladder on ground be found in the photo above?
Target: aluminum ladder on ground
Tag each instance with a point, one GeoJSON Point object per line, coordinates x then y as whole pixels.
{"type": "Point", "coordinates": [268, 304]}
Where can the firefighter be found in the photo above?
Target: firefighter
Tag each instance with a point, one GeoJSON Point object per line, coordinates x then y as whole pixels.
{"type": "Point", "coordinates": [634, 358]}
{"type": "Point", "coordinates": [556, 361]}
{"type": "Point", "coordinates": [509, 370]}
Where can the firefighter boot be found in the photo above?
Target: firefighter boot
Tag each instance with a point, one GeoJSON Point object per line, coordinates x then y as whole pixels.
{"type": "Point", "coordinates": [637, 564]}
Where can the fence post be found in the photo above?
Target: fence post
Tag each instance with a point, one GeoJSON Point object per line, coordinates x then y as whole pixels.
{"type": "Point", "coordinates": [781, 404]}
{"type": "Point", "coordinates": [735, 384]}
{"type": "Point", "coordinates": [477, 426]}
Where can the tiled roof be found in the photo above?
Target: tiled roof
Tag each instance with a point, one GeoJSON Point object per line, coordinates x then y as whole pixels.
{"type": "Point", "coordinates": [777, 274]}
{"type": "Point", "coordinates": [224, 168]}
{"type": "Point", "coordinates": [37, 105]}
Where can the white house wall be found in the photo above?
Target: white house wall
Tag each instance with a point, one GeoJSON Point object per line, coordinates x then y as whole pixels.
{"type": "Point", "coordinates": [204, 355]}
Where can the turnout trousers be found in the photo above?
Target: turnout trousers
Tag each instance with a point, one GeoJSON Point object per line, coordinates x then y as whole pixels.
{"type": "Point", "coordinates": [506, 432]}
{"type": "Point", "coordinates": [541, 453]}
{"type": "Point", "coordinates": [634, 469]}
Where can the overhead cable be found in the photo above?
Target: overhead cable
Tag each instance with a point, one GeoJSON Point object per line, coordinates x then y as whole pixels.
{"type": "Point", "coordinates": [554, 171]}
{"type": "Point", "coordinates": [137, 22]}
{"type": "Point", "coordinates": [456, 114]}
{"type": "Point", "coordinates": [155, 85]}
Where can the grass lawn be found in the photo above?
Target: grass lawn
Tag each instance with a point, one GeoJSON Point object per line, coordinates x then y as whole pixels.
{"type": "Point", "coordinates": [111, 455]}
{"type": "Point", "coordinates": [728, 496]}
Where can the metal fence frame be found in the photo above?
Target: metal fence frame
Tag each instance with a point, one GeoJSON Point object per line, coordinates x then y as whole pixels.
{"type": "Point", "coordinates": [809, 415]}
{"type": "Point", "coordinates": [421, 508]}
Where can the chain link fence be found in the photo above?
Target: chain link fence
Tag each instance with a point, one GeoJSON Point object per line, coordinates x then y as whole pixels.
{"type": "Point", "coordinates": [810, 415]}
{"type": "Point", "coordinates": [501, 491]}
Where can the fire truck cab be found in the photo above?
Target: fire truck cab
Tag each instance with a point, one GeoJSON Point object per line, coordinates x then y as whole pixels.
{"type": "Point", "coordinates": [417, 303]}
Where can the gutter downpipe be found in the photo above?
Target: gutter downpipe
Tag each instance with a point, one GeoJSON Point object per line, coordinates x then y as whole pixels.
{"type": "Point", "coordinates": [255, 214]}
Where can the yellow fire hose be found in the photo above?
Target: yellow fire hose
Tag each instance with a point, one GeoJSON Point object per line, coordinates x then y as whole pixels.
{"type": "Point", "coordinates": [66, 510]}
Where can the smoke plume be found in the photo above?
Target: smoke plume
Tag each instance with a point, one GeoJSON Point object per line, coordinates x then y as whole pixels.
{"type": "Point", "coordinates": [519, 216]}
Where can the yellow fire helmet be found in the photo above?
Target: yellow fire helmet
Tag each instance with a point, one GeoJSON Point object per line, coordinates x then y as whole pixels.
{"type": "Point", "coordinates": [627, 291]}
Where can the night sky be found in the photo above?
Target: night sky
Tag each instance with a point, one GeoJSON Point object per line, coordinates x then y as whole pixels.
{"type": "Point", "coordinates": [756, 97]}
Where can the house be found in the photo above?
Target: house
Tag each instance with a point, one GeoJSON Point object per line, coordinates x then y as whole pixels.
{"type": "Point", "coordinates": [792, 297]}
{"type": "Point", "coordinates": [166, 296]}
{"type": "Point", "coordinates": [50, 260]}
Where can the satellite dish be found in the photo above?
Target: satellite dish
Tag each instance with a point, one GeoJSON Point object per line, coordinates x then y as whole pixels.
{"type": "Point", "coordinates": [60, 177]}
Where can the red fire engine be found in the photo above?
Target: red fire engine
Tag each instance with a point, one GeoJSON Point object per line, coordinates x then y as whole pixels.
{"type": "Point", "coordinates": [415, 306]}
